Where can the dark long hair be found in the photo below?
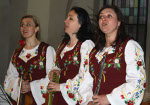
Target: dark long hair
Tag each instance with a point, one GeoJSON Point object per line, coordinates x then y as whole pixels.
{"type": "Point", "coordinates": [99, 36]}
{"type": "Point", "coordinates": [85, 31]}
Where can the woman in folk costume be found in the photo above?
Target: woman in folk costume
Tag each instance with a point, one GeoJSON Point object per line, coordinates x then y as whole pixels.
{"type": "Point", "coordinates": [72, 59]}
{"type": "Point", "coordinates": [123, 77]}
{"type": "Point", "coordinates": [30, 64]}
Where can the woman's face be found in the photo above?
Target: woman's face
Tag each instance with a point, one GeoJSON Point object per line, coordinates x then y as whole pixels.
{"type": "Point", "coordinates": [72, 24]}
{"type": "Point", "coordinates": [108, 21]}
{"type": "Point", "coordinates": [28, 28]}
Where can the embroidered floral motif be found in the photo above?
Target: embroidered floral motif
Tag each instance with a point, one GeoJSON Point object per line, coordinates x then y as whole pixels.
{"type": "Point", "coordinates": [43, 92]}
{"type": "Point", "coordinates": [72, 58]}
{"type": "Point", "coordinates": [59, 49]}
{"type": "Point", "coordinates": [136, 94]}
{"type": "Point", "coordinates": [10, 91]}
{"type": "Point", "coordinates": [85, 62]}
{"type": "Point", "coordinates": [91, 65]}
{"type": "Point", "coordinates": [115, 61]}
{"type": "Point", "coordinates": [39, 62]}
{"type": "Point", "coordinates": [28, 56]}
{"type": "Point", "coordinates": [15, 63]}
{"type": "Point", "coordinates": [139, 60]}
{"type": "Point", "coordinates": [36, 63]}
{"type": "Point", "coordinates": [14, 58]}
{"type": "Point", "coordinates": [73, 94]}
{"type": "Point", "coordinates": [141, 85]}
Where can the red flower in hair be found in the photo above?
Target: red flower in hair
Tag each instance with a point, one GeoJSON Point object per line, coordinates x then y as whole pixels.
{"type": "Point", "coordinates": [14, 56]}
{"type": "Point", "coordinates": [21, 42]}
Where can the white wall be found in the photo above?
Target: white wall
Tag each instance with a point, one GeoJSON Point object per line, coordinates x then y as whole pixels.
{"type": "Point", "coordinates": [10, 13]}
{"type": "Point", "coordinates": [4, 38]}
{"type": "Point", "coordinates": [56, 22]}
{"type": "Point", "coordinates": [40, 9]}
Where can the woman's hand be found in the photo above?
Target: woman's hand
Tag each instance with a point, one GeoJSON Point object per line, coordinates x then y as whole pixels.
{"type": "Point", "coordinates": [25, 87]}
{"type": "Point", "coordinates": [52, 86]}
{"type": "Point", "coordinates": [51, 74]}
{"type": "Point", "coordinates": [100, 100]}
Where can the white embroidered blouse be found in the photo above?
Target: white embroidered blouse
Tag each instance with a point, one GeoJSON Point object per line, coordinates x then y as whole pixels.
{"type": "Point", "coordinates": [133, 90]}
{"type": "Point", "coordinates": [38, 87]}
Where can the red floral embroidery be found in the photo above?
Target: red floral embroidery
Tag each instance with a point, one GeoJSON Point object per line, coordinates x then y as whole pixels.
{"type": "Point", "coordinates": [17, 64]}
{"type": "Point", "coordinates": [144, 85]}
{"type": "Point", "coordinates": [44, 95]}
{"type": "Point", "coordinates": [139, 63]}
{"type": "Point", "coordinates": [67, 86]}
{"type": "Point", "coordinates": [35, 62]}
{"type": "Point", "coordinates": [130, 102]}
{"type": "Point", "coordinates": [120, 49]}
{"type": "Point", "coordinates": [105, 53]}
{"type": "Point", "coordinates": [43, 53]}
{"type": "Point", "coordinates": [21, 42]}
{"type": "Point", "coordinates": [122, 96]}
{"type": "Point", "coordinates": [109, 61]}
{"type": "Point", "coordinates": [80, 101]}
{"type": "Point", "coordinates": [41, 87]}
{"type": "Point", "coordinates": [71, 95]}
{"type": "Point", "coordinates": [11, 89]}
{"type": "Point", "coordinates": [28, 56]}
{"type": "Point", "coordinates": [86, 62]}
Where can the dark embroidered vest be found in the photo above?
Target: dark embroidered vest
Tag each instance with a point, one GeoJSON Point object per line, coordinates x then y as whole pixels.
{"type": "Point", "coordinates": [115, 69]}
{"type": "Point", "coordinates": [34, 68]}
{"type": "Point", "coordinates": [70, 62]}
{"type": "Point", "coordinates": [36, 65]}
{"type": "Point", "coordinates": [69, 66]}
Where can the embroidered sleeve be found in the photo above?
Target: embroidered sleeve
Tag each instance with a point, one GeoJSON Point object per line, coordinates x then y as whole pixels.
{"type": "Point", "coordinates": [131, 92]}
{"type": "Point", "coordinates": [11, 82]}
{"type": "Point", "coordinates": [38, 87]}
{"type": "Point", "coordinates": [79, 89]}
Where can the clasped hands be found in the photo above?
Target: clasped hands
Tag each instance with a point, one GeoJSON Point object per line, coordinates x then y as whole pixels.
{"type": "Point", "coordinates": [52, 86]}
{"type": "Point", "coordinates": [25, 86]}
